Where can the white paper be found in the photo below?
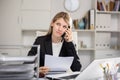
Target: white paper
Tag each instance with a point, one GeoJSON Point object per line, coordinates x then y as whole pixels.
{"type": "Point", "coordinates": [58, 63]}
{"type": "Point", "coordinates": [63, 75]}
{"type": "Point", "coordinates": [16, 68]}
{"type": "Point", "coordinates": [16, 59]}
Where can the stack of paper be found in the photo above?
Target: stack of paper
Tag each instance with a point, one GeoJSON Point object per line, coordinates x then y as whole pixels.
{"type": "Point", "coordinates": [18, 71]}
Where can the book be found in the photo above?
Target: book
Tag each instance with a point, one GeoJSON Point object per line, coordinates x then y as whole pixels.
{"type": "Point", "coordinates": [100, 5]}
{"type": "Point", "coordinates": [75, 23]}
{"type": "Point", "coordinates": [119, 8]}
{"type": "Point", "coordinates": [112, 4]}
{"type": "Point", "coordinates": [116, 6]}
{"type": "Point", "coordinates": [107, 2]}
{"type": "Point", "coordinates": [104, 5]}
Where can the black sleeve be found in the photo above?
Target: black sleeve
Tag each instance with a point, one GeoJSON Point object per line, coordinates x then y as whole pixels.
{"type": "Point", "coordinates": [33, 50]}
{"type": "Point", "coordinates": [76, 65]}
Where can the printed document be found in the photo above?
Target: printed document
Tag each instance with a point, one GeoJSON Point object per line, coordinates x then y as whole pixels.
{"type": "Point", "coordinates": [58, 63]}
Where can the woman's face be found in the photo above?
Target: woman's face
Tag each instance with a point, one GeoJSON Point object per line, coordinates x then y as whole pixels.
{"type": "Point", "coordinates": [59, 27]}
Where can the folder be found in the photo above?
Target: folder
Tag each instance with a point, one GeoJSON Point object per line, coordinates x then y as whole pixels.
{"type": "Point", "coordinates": [92, 19]}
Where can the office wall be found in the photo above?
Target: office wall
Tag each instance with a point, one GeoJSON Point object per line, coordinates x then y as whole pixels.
{"type": "Point", "coordinates": [10, 31]}
{"type": "Point", "coordinates": [58, 5]}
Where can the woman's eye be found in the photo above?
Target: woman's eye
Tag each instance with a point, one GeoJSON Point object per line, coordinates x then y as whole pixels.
{"type": "Point", "coordinates": [65, 27]}
{"type": "Point", "coordinates": [58, 24]}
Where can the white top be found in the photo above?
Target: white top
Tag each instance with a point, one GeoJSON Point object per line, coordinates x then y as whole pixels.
{"type": "Point", "coordinates": [56, 47]}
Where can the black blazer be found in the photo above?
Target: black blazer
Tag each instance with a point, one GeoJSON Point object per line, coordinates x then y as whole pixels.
{"type": "Point", "coordinates": [67, 49]}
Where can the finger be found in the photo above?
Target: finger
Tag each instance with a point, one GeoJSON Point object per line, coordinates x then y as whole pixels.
{"type": "Point", "coordinates": [44, 69]}
{"type": "Point", "coordinates": [69, 32]}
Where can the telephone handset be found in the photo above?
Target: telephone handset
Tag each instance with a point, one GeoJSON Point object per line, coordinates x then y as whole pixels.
{"type": "Point", "coordinates": [64, 34]}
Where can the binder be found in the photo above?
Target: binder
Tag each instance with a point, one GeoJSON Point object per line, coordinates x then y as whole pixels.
{"type": "Point", "coordinates": [103, 40]}
{"type": "Point", "coordinates": [92, 19]}
{"type": "Point", "coordinates": [103, 22]}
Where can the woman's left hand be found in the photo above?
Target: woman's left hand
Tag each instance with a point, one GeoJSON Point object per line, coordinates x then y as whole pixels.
{"type": "Point", "coordinates": [44, 70]}
{"type": "Point", "coordinates": [68, 36]}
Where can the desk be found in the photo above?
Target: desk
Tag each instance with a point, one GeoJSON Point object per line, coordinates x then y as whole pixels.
{"type": "Point", "coordinates": [89, 79]}
{"type": "Point", "coordinates": [41, 79]}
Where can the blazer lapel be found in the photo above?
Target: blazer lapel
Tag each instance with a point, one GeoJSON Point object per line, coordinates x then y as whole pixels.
{"type": "Point", "coordinates": [48, 45]}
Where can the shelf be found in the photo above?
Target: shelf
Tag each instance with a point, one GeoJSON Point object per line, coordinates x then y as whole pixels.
{"type": "Point", "coordinates": [110, 31]}
{"type": "Point", "coordinates": [108, 12]}
{"type": "Point", "coordinates": [86, 49]}
{"type": "Point", "coordinates": [82, 30]}
{"type": "Point", "coordinates": [106, 49]}
{"type": "Point", "coordinates": [34, 30]}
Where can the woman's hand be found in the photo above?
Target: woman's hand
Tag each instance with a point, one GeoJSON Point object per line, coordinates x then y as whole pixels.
{"type": "Point", "coordinates": [43, 70]}
{"type": "Point", "coordinates": [68, 35]}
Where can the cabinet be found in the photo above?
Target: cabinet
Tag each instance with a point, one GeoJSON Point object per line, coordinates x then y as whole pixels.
{"type": "Point", "coordinates": [10, 30]}
{"type": "Point", "coordinates": [107, 34]}
{"type": "Point", "coordinates": [9, 51]}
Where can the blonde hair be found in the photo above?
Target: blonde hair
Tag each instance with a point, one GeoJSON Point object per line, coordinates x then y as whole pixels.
{"type": "Point", "coordinates": [59, 15]}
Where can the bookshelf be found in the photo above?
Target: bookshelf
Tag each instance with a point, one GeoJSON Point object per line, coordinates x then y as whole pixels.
{"type": "Point", "coordinates": [107, 29]}
{"type": "Point", "coordinates": [102, 41]}
{"type": "Point", "coordinates": [85, 38]}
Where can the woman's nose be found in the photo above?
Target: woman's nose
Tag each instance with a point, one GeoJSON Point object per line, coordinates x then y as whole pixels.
{"type": "Point", "coordinates": [60, 27]}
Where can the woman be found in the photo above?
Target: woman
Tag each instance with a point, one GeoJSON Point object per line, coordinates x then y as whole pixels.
{"type": "Point", "coordinates": [57, 42]}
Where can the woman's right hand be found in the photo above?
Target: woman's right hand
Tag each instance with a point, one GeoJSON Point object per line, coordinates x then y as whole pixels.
{"type": "Point", "coordinates": [44, 70]}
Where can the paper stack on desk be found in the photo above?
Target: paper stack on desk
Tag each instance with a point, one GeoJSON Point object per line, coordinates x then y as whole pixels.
{"type": "Point", "coordinates": [16, 71]}
{"type": "Point", "coordinates": [12, 69]}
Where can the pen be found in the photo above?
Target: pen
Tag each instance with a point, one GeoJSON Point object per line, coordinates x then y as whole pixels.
{"type": "Point", "coordinates": [104, 68]}
{"type": "Point", "coordinates": [108, 68]}
{"type": "Point", "coordinates": [101, 66]}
